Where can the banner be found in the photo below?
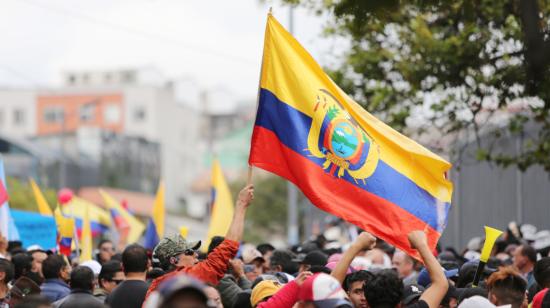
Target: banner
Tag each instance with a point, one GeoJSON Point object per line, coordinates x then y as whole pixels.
{"type": "Point", "coordinates": [35, 229]}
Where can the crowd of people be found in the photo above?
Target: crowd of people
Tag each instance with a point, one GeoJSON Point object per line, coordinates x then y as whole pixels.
{"type": "Point", "coordinates": [367, 272]}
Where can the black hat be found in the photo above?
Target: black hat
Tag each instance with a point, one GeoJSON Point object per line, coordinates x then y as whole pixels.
{"type": "Point", "coordinates": [411, 293]}
{"type": "Point", "coordinates": [313, 258]}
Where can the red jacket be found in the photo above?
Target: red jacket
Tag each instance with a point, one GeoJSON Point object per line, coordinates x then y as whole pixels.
{"type": "Point", "coordinates": [286, 297]}
{"type": "Point", "coordinates": [209, 271]}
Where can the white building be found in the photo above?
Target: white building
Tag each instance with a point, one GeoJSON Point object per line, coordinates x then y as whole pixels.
{"type": "Point", "coordinates": [17, 113]}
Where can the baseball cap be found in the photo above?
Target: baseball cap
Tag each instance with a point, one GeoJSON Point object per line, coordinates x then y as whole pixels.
{"type": "Point", "coordinates": [412, 292]}
{"type": "Point", "coordinates": [476, 302]}
{"type": "Point", "coordinates": [93, 265]}
{"type": "Point", "coordinates": [324, 290]}
{"type": "Point", "coordinates": [424, 277]}
{"type": "Point", "coordinates": [251, 254]}
{"type": "Point", "coordinates": [172, 246]}
{"type": "Point", "coordinates": [314, 258]}
{"type": "Point", "coordinates": [174, 285]}
{"type": "Point", "coordinates": [265, 288]}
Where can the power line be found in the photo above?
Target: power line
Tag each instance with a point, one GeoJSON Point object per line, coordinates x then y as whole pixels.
{"type": "Point", "coordinates": [138, 32]}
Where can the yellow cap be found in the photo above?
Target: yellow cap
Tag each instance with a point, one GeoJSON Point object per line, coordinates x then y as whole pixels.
{"type": "Point", "coordinates": [262, 290]}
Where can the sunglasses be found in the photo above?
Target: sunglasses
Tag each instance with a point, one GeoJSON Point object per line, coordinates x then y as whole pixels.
{"type": "Point", "coordinates": [189, 252]}
{"type": "Point", "coordinates": [117, 281]}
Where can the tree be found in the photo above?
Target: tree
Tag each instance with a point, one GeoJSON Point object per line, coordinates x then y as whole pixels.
{"type": "Point", "coordinates": [267, 215]}
{"type": "Point", "coordinates": [474, 69]}
{"type": "Point", "coordinates": [22, 197]}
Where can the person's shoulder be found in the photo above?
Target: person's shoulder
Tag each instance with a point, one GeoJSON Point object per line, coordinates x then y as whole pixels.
{"type": "Point", "coordinates": [419, 304]}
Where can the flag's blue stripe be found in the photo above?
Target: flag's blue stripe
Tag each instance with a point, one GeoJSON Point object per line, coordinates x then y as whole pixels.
{"type": "Point", "coordinates": [292, 127]}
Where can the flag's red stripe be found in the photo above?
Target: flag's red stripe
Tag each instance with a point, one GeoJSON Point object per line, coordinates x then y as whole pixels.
{"type": "Point", "coordinates": [336, 196]}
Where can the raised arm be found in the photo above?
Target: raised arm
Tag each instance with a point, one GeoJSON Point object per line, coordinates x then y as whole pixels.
{"type": "Point", "coordinates": [437, 290]}
{"type": "Point", "coordinates": [246, 196]}
{"type": "Point", "coordinates": [364, 241]}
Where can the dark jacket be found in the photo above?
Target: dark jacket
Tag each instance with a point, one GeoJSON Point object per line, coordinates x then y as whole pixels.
{"type": "Point", "coordinates": [79, 299]}
{"type": "Point", "coordinates": [54, 289]}
{"type": "Point", "coordinates": [229, 288]}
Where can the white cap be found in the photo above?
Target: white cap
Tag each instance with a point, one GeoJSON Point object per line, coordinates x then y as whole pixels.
{"type": "Point", "coordinates": [479, 302]}
{"type": "Point", "coordinates": [93, 265]}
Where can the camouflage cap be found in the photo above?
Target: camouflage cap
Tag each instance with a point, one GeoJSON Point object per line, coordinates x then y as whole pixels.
{"type": "Point", "coordinates": [172, 246]}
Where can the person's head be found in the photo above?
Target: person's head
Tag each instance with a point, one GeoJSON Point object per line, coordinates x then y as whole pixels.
{"type": "Point", "coordinates": [22, 263]}
{"type": "Point", "coordinates": [525, 257]}
{"type": "Point", "coordinates": [38, 257]}
{"type": "Point", "coordinates": [179, 292]}
{"type": "Point", "coordinates": [82, 278]}
{"type": "Point", "coordinates": [106, 250]}
{"type": "Point", "coordinates": [254, 262]}
{"type": "Point", "coordinates": [385, 290]}
{"type": "Point", "coordinates": [281, 261]}
{"type": "Point", "coordinates": [214, 297]}
{"type": "Point", "coordinates": [353, 285]}
{"type": "Point", "coordinates": [322, 290]}
{"type": "Point", "coordinates": [7, 271]}
{"type": "Point", "coordinates": [22, 288]}
{"type": "Point", "coordinates": [542, 272]}
{"type": "Point", "coordinates": [110, 276]}
{"type": "Point", "coordinates": [266, 250]}
{"type": "Point", "coordinates": [33, 301]}
{"type": "Point", "coordinates": [176, 252]}
{"type": "Point", "coordinates": [507, 287]}
{"type": "Point", "coordinates": [312, 259]}
{"type": "Point", "coordinates": [263, 291]}
{"type": "Point", "coordinates": [55, 267]}
{"type": "Point", "coordinates": [134, 259]}
{"type": "Point", "coordinates": [403, 263]}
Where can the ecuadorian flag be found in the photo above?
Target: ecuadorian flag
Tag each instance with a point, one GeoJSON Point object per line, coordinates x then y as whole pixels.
{"type": "Point", "coordinates": [344, 160]}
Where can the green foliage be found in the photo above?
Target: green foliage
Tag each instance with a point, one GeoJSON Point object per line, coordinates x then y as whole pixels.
{"type": "Point", "coordinates": [474, 59]}
{"type": "Point", "coordinates": [267, 214]}
{"type": "Point", "coordinates": [22, 197]}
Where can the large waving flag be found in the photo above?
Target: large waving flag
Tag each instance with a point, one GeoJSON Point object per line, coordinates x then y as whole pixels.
{"type": "Point", "coordinates": [155, 227]}
{"type": "Point", "coordinates": [123, 219]}
{"type": "Point", "coordinates": [222, 205]}
{"type": "Point", "coordinates": [43, 207]}
{"type": "Point", "coordinates": [7, 225]}
{"type": "Point", "coordinates": [344, 160]}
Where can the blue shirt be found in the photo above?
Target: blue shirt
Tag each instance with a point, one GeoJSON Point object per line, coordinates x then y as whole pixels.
{"type": "Point", "coordinates": [55, 289]}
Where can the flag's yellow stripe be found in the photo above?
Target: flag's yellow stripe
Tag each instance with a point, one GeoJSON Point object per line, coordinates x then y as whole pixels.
{"type": "Point", "coordinates": [289, 72]}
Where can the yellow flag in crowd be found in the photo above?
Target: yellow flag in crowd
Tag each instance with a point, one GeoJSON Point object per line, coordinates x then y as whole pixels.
{"type": "Point", "coordinates": [43, 207]}
{"type": "Point", "coordinates": [136, 226]}
{"type": "Point", "coordinates": [222, 205]}
{"type": "Point", "coordinates": [155, 227]}
{"type": "Point", "coordinates": [86, 238]}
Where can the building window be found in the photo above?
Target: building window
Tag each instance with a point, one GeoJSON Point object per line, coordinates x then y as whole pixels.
{"type": "Point", "coordinates": [139, 114]}
{"type": "Point", "coordinates": [111, 114]}
{"type": "Point", "coordinates": [53, 115]}
{"type": "Point", "coordinates": [87, 112]}
{"type": "Point", "coordinates": [18, 117]}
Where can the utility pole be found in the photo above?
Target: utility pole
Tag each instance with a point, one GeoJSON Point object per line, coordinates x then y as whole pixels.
{"type": "Point", "coordinates": [292, 194]}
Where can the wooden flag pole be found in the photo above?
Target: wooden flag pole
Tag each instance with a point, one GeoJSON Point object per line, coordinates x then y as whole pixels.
{"type": "Point", "coordinates": [249, 176]}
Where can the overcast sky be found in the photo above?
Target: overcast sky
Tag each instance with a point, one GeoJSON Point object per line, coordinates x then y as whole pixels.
{"type": "Point", "coordinates": [216, 44]}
